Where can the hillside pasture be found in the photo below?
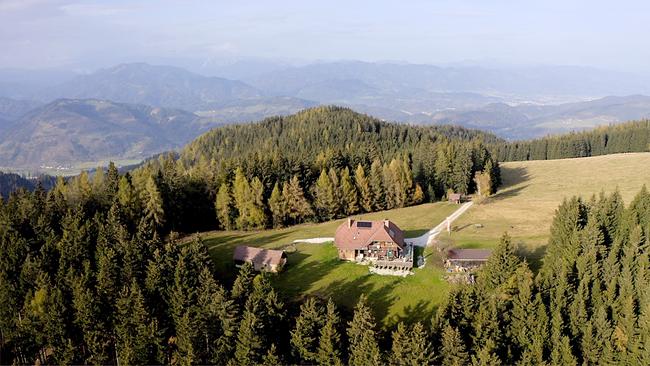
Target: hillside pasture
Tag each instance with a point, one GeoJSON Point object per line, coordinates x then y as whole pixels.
{"type": "Point", "coordinates": [531, 192]}
{"type": "Point", "coordinates": [314, 269]}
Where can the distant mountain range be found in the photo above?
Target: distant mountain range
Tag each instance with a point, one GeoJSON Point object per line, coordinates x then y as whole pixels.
{"type": "Point", "coordinates": [131, 111]}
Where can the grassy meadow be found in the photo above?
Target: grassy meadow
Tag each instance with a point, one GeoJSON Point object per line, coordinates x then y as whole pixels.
{"type": "Point", "coordinates": [315, 269]}
{"type": "Point", "coordinates": [532, 190]}
{"type": "Point", "coordinates": [524, 207]}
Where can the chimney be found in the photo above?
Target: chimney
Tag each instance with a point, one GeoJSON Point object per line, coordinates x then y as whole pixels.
{"type": "Point", "coordinates": [386, 223]}
{"type": "Point", "coordinates": [350, 221]}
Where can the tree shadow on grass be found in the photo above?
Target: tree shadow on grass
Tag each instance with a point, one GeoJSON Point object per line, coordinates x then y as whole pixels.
{"type": "Point", "coordinates": [534, 256]}
{"type": "Point", "coordinates": [513, 176]}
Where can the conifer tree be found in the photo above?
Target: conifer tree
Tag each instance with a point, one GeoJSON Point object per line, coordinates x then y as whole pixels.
{"type": "Point", "coordinates": [453, 351]}
{"type": "Point", "coordinates": [325, 200]}
{"type": "Point", "coordinates": [243, 284]}
{"type": "Point", "coordinates": [278, 206]}
{"type": "Point", "coordinates": [364, 189]}
{"type": "Point", "coordinates": [304, 336]}
{"type": "Point", "coordinates": [137, 341]}
{"type": "Point", "coordinates": [224, 207]}
{"type": "Point", "coordinates": [364, 350]}
{"type": "Point", "coordinates": [410, 346]}
{"type": "Point", "coordinates": [349, 193]}
{"type": "Point", "coordinates": [329, 353]}
{"type": "Point", "coordinates": [377, 186]}
{"type": "Point", "coordinates": [503, 262]}
{"type": "Point", "coordinates": [244, 201]}
{"type": "Point", "coordinates": [249, 346]}
{"type": "Point", "coordinates": [298, 208]}
{"type": "Point", "coordinates": [257, 214]}
{"type": "Point", "coordinates": [418, 195]}
{"type": "Point", "coordinates": [153, 204]}
{"type": "Point", "coordinates": [112, 179]}
{"type": "Point", "coordinates": [271, 358]}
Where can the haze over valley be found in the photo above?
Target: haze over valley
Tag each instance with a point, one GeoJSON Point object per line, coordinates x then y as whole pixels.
{"type": "Point", "coordinates": [71, 118]}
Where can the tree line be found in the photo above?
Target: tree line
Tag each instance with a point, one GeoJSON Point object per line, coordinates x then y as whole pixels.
{"type": "Point", "coordinates": [81, 284]}
{"type": "Point", "coordinates": [620, 138]}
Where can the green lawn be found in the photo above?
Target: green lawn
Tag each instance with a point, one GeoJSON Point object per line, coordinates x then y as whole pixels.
{"type": "Point", "coordinates": [524, 207]}
{"type": "Point", "coordinates": [315, 268]}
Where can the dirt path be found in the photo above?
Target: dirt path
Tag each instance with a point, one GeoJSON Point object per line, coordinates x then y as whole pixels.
{"type": "Point", "coordinates": [424, 240]}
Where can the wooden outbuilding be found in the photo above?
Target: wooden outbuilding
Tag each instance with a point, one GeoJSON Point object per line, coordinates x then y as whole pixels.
{"type": "Point", "coordinates": [466, 260]}
{"type": "Point", "coordinates": [455, 198]}
{"type": "Point", "coordinates": [267, 260]}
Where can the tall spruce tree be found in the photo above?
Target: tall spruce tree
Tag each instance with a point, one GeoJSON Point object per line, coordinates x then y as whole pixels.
{"type": "Point", "coordinates": [364, 349]}
{"type": "Point", "coordinates": [329, 353]}
{"type": "Point", "coordinates": [304, 336]}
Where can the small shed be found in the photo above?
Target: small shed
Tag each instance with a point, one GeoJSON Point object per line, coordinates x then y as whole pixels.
{"type": "Point", "coordinates": [455, 198]}
{"type": "Point", "coordinates": [466, 260]}
{"type": "Point", "coordinates": [267, 260]}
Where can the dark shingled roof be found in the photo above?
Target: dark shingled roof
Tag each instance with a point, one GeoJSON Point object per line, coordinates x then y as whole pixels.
{"type": "Point", "coordinates": [355, 234]}
{"type": "Point", "coordinates": [258, 256]}
{"type": "Point", "coordinates": [469, 254]}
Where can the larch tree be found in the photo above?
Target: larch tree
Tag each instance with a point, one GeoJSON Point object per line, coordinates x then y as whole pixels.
{"type": "Point", "coordinates": [277, 206]}
{"type": "Point", "coordinates": [364, 189]}
{"type": "Point", "coordinates": [153, 204]}
{"type": "Point", "coordinates": [349, 193]}
{"type": "Point", "coordinates": [224, 207]}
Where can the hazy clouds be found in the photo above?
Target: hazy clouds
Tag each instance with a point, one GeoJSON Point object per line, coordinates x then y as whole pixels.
{"type": "Point", "coordinates": [40, 33]}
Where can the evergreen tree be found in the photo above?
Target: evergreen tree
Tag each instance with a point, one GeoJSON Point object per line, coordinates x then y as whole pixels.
{"type": "Point", "coordinates": [410, 346]}
{"type": "Point", "coordinates": [250, 348]}
{"type": "Point", "coordinates": [362, 336]}
{"type": "Point", "coordinates": [243, 284]}
{"type": "Point", "coordinates": [304, 336]}
{"type": "Point", "coordinates": [224, 207]}
{"type": "Point", "coordinates": [329, 353]}
{"type": "Point", "coordinates": [453, 351]}
{"type": "Point", "coordinates": [271, 358]}
{"type": "Point", "coordinates": [137, 341]}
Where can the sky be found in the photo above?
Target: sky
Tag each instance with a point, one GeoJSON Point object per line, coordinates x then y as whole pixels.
{"type": "Point", "coordinates": [91, 34]}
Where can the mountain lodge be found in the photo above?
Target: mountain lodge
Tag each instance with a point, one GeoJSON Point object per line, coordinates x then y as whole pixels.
{"type": "Point", "coordinates": [380, 242]}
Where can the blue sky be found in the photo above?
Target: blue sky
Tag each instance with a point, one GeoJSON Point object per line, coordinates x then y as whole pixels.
{"type": "Point", "coordinates": [73, 33]}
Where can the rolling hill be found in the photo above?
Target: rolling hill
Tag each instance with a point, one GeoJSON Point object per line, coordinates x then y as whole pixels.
{"type": "Point", "coordinates": [70, 131]}
{"type": "Point", "coordinates": [534, 120]}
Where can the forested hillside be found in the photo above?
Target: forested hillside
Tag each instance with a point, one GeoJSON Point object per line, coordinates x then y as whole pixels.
{"type": "Point", "coordinates": [319, 164]}
{"type": "Point", "coordinates": [10, 182]}
{"type": "Point", "coordinates": [85, 277]}
{"type": "Point", "coordinates": [622, 138]}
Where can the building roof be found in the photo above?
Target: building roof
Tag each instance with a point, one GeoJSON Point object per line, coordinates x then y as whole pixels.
{"type": "Point", "coordinates": [455, 197]}
{"type": "Point", "coordinates": [469, 254]}
{"type": "Point", "coordinates": [357, 234]}
{"type": "Point", "coordinates": [259, 256]}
